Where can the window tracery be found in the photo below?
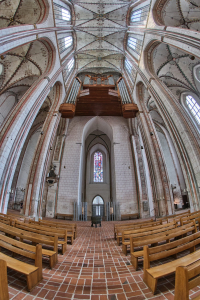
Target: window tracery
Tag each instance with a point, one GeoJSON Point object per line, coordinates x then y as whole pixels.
{"type": "Point", "coordinates": [98, 167]}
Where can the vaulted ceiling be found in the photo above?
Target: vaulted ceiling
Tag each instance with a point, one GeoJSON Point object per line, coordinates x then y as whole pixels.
{"type": "Point", "coordinates": [100, 29]}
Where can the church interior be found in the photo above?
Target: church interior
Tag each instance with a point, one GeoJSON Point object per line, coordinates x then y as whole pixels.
{"type": "Point", "coordinates": [99, 149]}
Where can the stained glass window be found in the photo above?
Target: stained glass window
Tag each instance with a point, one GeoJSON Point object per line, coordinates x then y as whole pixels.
{"type": "Point", "coordinates": [194, 108]}
{"type": "Point", "coordinates": [98, 167]}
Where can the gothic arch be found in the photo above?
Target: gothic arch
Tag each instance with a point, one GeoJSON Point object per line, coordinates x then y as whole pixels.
{"type": "Point", "coordinates": [24, 67]}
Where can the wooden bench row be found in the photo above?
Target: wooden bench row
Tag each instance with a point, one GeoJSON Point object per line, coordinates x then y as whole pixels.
{"type": "Point", "coordinates": [155, 239]}
{"type": "Point", "coordinates": [33, 273]}
{"type": "Point", "coordinates": [174, 217]}
{"type": "Point", "coordinates": [118, 228]}
{"type": "Point", "coordinates": [35, 239]}
{"type": "Point", "coordinates": [143, 233]}
{"type": "Point", "coordinates": [71, 227]}
{"type": "Point", "coordinates": [46, 231]}
{"type": "Point", "coordinates": [192, 216]}
{"type": "Point", "coordinates": [151, 275]}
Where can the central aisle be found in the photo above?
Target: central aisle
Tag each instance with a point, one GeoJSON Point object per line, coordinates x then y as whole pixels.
{"type": "Point", "coordinates": [93, 268]}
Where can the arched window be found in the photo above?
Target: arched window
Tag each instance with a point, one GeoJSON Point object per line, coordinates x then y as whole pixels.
{"type": "Point", "coordinates": [98, 167]}
{"type": "Point", "coordinates": [193, 107]}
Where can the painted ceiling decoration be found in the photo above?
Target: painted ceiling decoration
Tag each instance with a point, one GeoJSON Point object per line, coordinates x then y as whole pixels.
{"type": "Point", "coordinates": [100, 29]}
{"type": "Point", "coordinates": [14, 12]}
{"type": "Point", "coordinates": [178, 13]}
{"type": "Point", "coordinates": [176, 69]}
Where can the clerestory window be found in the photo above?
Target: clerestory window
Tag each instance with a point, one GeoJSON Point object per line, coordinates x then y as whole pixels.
{"type": "Point", "coordinates": [193, 107]}
{"type": "Point", "coordinates": [68, 41]}
{"type": "Point", "coordinates": [65, 14]}
{"type": "Point", "coordinates": [136, 16]}
{"type": "Point", "coordinates": [132, 42]}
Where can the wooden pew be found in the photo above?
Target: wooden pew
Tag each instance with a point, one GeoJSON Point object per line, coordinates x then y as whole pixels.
{"type": "Point", "coordinates": [192, 216]}
{"type": "Point", "coordinates": [143, 232]}
{"type": "Point", "coordinates": [175, 216]}
{"type": "Point", "coordinates": [71, 227]}
{"type": "Point", "coordinates": [151, 275]}
{"type": "Point", "coordinates": [156, 239]}
{"type": "Point", "coordinates": [61, 233]}
{"type": "Point", "coordinates": [4, 295]}
{"type": "Point", "coordinates": [5, 221]}
{"type": "Point", "coordinates": [129, 216]}
{"type": "Point", "coordinates": [36, 239]}
{"type": "Point", "coordinates": [116, 226]}
{"type": "Point", "coordinates": [33, 273]}
{"type": "Point", "coordinates": [68, 216]}
{"type": "Point", "coordinates": [187, 279]}
{"type": "Point", "coordinates": [120, 230]}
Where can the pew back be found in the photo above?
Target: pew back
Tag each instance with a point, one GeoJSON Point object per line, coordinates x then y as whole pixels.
{"type": "Point", "coordinates": [187, 278]}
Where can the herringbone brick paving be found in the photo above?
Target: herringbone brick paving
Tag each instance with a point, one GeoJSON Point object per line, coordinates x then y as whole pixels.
{"type": "Point", "coordinates": [93, 268]}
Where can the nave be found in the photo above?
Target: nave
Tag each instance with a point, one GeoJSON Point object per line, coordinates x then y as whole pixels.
{"type": "Point", "coordinates": [94, 267]}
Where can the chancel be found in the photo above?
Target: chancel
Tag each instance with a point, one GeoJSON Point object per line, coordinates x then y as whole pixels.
{"type": "Point", "coordinates": [100, 125]}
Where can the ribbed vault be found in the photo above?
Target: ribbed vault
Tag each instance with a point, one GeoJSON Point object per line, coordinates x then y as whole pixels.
{"type": "Point", "coordinates": [100, 29]}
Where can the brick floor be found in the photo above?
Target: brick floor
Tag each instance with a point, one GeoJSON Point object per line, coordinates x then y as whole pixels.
{"type": "Point", "coordinates": [93, 268]}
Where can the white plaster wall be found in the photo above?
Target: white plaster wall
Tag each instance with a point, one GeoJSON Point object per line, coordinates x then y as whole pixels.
{"type": "Point", "coordinates": [168, 159]}
{"type": "Point", "coordinates": [70, 177]}
{"type": "Point", "coordinates": [124, 169]}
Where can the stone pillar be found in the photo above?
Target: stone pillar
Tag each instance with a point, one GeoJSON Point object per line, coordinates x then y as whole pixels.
{"type": "Point", "coordinates": [159, 176]}
{"type": "Point", "coordinates": [51, 204]}
{"type": "Point", "coordinates": [39, 167]}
